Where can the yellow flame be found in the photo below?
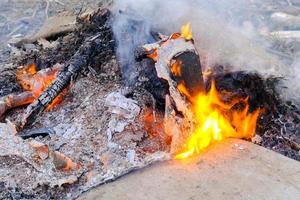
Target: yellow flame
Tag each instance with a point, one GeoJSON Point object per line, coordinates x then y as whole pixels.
{"type": "Point", "coordinates": [186, 31]}
{"type": "Point", "coordinates": [217, 120]}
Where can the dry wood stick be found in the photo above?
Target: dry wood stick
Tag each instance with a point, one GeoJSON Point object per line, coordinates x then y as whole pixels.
{"type": "Point", "coordinates": [70, 70]}
{"type": "Point", "coordinates": [15, 100]}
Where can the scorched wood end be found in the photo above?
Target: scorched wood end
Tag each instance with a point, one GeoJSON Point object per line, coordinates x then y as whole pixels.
{"type": "Point", "coordinates": [177, 61]}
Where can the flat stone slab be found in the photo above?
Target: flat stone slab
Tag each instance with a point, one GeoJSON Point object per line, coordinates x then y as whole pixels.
{"type": "Point", "coordinates": [233, 169]}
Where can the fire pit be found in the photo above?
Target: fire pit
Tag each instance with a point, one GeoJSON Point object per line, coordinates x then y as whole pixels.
{"type": "Point", "coordinates": [113, 94]}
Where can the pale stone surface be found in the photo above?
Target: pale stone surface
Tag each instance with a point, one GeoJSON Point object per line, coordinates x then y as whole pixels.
{"type": "Point", "coordinates": [233, 169]}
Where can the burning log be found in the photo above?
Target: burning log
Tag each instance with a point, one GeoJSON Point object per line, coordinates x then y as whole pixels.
{"type": "Point", "coordinates": [194, 117]}
{"type": "Point", "coordinates": [79, 61]}
{"type": "Point", "coordinates": [177, 62]}
{"type": "Point", "coordinates": [71, 69]}
{"type": "Point", "coordinates": [31, 80]}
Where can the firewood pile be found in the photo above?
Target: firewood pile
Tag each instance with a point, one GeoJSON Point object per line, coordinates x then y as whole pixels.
{"type": "Point", "coordinates": [73, 117]}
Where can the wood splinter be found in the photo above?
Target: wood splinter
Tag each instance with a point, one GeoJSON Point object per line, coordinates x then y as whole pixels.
{"type": "Point", "coordinates": [15, 100]}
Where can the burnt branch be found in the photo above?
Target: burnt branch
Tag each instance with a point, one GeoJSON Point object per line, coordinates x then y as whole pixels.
{"type": "Point", "coordinates": [70, 70]}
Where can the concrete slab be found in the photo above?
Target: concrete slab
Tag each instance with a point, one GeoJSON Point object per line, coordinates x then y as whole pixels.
{"type": "Point", "coordinates": [233, 169]}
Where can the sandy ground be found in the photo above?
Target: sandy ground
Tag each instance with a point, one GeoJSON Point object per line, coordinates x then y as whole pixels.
{"type": "Point", "coordinates": [230, 170]}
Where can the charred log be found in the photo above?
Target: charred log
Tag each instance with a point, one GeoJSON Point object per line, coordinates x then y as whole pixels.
{"type": "Point", "coordinates": [177, 63]}
{"type": "Point", "coordinates": [186, 71]}
{"type": "Point", "coordinates": [71, 69]}
{"type": "Point", "coordinates": [260, 92]}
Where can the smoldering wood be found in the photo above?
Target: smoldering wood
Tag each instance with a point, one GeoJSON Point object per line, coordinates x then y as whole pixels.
{"type": "Point", "coordinates": [177, 62]}
{"type": "Point", "coordinates": [191, 74]}
{"type": "Point", "coordinates": [94, 46]}
{"type": "Point", "coordinates": [70, 70]}
{"type": "Point", "coordinates": [15, 100]}
{"type": "Point", "coordinates": [177, 51]}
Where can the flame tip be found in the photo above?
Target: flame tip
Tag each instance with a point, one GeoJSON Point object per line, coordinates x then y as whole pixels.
{"type": "Point", "coordinates": [217, 120]}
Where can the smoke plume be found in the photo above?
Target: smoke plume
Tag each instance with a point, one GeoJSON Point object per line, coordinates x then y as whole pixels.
{"type": "Point", "coordinates": [226, 32]}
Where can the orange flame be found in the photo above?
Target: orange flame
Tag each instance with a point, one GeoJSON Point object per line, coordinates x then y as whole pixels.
{"type": "Point", "coordinates": [186, 31]}
{"type": "Point", "coordinates": [38, 81]}
{"type": "Point", "coordinates": [217, 120]}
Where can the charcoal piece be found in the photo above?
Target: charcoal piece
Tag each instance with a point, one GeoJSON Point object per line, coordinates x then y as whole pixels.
{"type": "Point", "coordinates": [43, 132]}
{"type": "Point", "coordinates": [190, 72]}
{"type": "Point", "coordinates": [159, 88]}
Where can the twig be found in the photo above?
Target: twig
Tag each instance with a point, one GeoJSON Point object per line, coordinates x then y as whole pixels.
{"type": "Point", "coordinates": [15, 100]}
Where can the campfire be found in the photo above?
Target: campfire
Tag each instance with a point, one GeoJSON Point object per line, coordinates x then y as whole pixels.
{"type": "Point", "coordinates": [86, 112]}
{"type": "Point", "coordinates": [214, 118]}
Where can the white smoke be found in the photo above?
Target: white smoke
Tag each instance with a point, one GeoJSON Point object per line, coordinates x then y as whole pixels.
{"type": "Point", "coordinates": [225, 32]}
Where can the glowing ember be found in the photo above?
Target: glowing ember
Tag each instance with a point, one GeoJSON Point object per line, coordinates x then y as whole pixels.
{"type": "Point", "coordinates": [186, 31]}
{"type": "Point", "coordinates": [217, 120]}
{"type": "Point", "coordinates": [38, 81]}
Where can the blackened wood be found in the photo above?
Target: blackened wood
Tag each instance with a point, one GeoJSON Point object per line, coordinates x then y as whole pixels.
{"type": "Point", "coordinates": [70, 70]}
{"type": "Point", "coordinates": [190, 72]}
{"type": "Point", "coordinates": [40, 132]}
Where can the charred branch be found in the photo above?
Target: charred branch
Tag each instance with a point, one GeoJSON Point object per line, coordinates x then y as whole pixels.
{"type": "Point", "coordinates": [71, 69]}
